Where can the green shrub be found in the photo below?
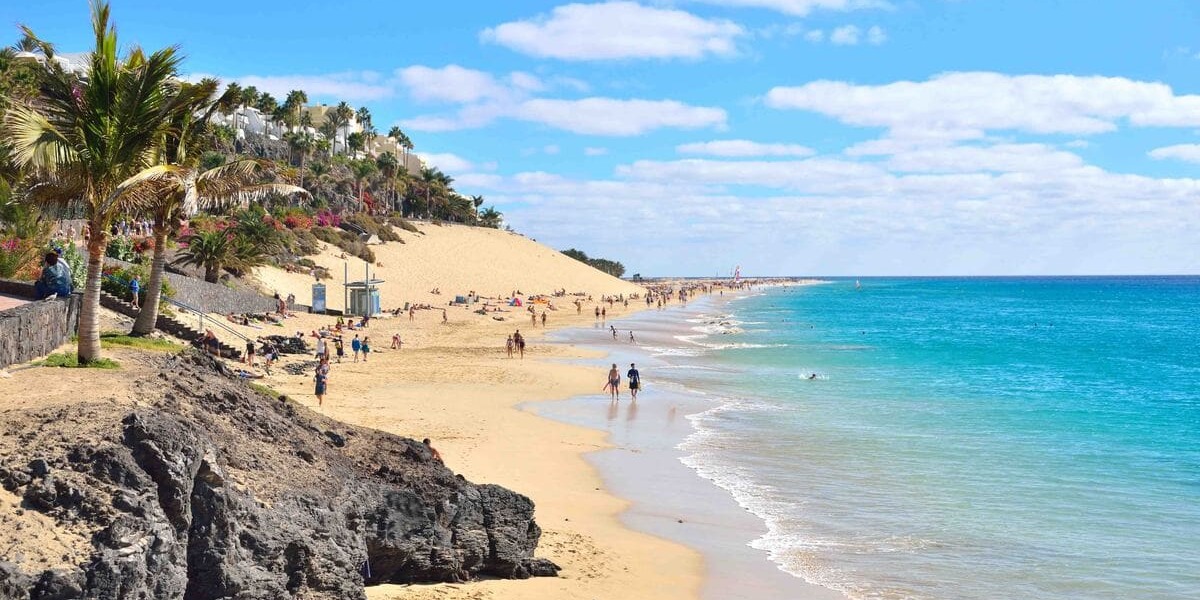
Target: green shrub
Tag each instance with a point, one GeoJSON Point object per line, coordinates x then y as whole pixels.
{"type": "Point", "coordinates": [374, 226]}
{"type": "Point", "coordinates": [347, 241]}
{"type": "Point", "coordinates": [405, 225]}
{"type": "Point", "coordinates": [120, 247]}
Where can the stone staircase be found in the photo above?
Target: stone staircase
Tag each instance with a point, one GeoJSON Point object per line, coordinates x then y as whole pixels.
{"type": "Point", "coordinates": [167, 324]}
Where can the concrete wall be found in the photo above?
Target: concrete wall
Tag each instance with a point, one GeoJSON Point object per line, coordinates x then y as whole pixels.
{"type": "Point", "coordinates": [36, 329]}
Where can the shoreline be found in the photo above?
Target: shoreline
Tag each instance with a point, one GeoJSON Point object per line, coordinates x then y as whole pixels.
{"type": "Point", "coordinates": [490, 418]}
{"type": "Point", "coordinates": [645, 464]}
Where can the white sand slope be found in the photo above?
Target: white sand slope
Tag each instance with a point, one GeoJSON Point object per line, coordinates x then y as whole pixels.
{"type": "Point", "coordinates": [455, 259]}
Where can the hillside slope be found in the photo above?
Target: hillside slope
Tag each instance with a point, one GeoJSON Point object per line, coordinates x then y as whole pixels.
{"type": "Point", "coordinates": [455, 259]}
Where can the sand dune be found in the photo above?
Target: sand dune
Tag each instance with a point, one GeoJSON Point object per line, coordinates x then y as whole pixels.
{"type": "Point", "coordinates": [456, 259]}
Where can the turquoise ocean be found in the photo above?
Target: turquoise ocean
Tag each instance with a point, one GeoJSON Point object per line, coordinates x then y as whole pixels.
{"type": "Point", "coordinates": [972, 438]}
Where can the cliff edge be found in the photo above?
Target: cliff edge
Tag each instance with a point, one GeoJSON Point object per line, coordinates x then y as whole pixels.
{"type": "Point", "coordinates": [203, 488]}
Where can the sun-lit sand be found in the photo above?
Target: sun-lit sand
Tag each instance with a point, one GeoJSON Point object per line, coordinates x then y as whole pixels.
{"type": "Point", "coordinates": [453, 383]}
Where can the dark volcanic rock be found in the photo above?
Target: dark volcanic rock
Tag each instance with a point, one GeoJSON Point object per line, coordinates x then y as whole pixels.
{"type": "Point", "coordinates": [219, 492]}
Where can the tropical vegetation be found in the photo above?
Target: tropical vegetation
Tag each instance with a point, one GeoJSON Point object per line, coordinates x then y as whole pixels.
{"type": "Point", "coordinates": [611, 267]}
{"type": "Point", "coordinates": [126, 140]}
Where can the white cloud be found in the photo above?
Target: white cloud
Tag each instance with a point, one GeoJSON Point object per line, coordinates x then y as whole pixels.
{"type": "Point", "coordinates": [616, 30]}
{"type": "Point", "coordinates": [526, 81]}
{"type": "Point", "coordinates": [1077, 144]}
{"type": "Point", "coordinates": [815, 36]}
{"type": "Point", "coordinates": [1004, 158]}
{"type": "Point", "coordinates": [801, 8]}
{"type": "Point", "coordinates": [876, 36]}
{"type": "Point", "coordinates": [451, 83]}
{"type": "Point", "coordinates": [593, 116]}
{"type": "Point", "coordinates": [609, 116]}
{"type": "Point", "coordinates": [1040, 222]}
{"type": "Point", "coordinates": [594, 151]}
{"type": "Point", "coordinates": [1184, 152]}
{"type": "Point", "coordinates": [551, 149]}
{"type": "Point", "coordinates": [742, 148]}
{"type": "Point", "coordinates": [447, 162]}
{"type": "Point", "coordinates": [846, 35]}
{"type": "Point", "coordinates": [966, 105]}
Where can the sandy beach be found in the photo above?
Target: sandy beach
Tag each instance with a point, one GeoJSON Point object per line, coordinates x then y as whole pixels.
{"type": "Point", "coordinates": [452, 382]}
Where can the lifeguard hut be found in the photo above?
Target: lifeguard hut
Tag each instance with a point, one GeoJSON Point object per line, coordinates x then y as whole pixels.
{"type": "Point", "coordinates": [362, 297]}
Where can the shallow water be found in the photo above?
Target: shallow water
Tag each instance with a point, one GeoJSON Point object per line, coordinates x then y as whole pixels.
{"type": "Point", "coordinates": [963, 438]}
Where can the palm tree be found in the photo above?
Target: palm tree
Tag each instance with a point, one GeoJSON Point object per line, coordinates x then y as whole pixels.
{"type": "Point", "coordinates": [369, 135]}
{"type": "Point", "coordinates": [328, 129]}
{"type": "Point", "coordinates": [249, 96]}
{"type": "Point", "coordinates": [295, 101]}
{"type": "Point", "coordinates": [389, 167]}
{"type": "Point", "coordinates": [341, 115]}
{"type": "Point", "coordinates": [90, 139]}
{"type": "Point", "coordinates": [354, 143]}
{"type": "Point", "coordinates": [403, 141]}
{"type": "Point", "coordinates": [363, 114]}
{"type": "Point", "coordinates": [490, 217]}
{"type": "Point", "coordinates": [184, 187]}
{"type": "Point", "coordinates": [209, 249]}
{"type": "Point", "coordinates": [267, 106]}
{"type": "Point", "coordinates": [301, 142]}
{"type": "Point", "coordinates": [230, 99]}
{"type": "Point", "coordinates": [363, 170]}
{"type": "Point", "coordinates": [437, 189]}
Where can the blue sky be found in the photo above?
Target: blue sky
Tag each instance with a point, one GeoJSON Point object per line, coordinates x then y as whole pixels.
{"type": "Point", "coordinates": [853, 137]}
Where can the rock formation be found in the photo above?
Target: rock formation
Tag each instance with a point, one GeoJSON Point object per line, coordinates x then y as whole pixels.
{"type": "Point", "coordinates": [207, 489]}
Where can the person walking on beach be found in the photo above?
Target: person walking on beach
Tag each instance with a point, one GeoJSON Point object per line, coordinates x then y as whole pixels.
{"type": "Point", "coordinates": [249, 357]}
{"type": "Point", "coordinates": [597, 313]}
{"type": "Point", "coordinates": [604, 313]}
{"type": "Point", "coordinates": [339, 347]}
{"type": "Point", "coordinates": [614, 383]}
{"type": "Point", "coordinates": [396, 343]}
{"type": "Point", "coordinates": [321, 349]}
{"type": "Point", "coordinates": [543, 319]}
{"type": "Point", "coordinates": [444, 319]}
{"type": "Point", "coordinates": [509, 346]}
{"type": "Point", "coordinates": [635, 381]}
{"type": "Point", "coordinates": [322, 379]}
{"type": "Point", "coordinates": [519, 340]}
{"type": "Point", "coordinates": [366, 347]}
{"type": "Point", "coordinates": [412, 311]}
{"type": "Point", "coordinates": [613, 329]}
{"type": "Point", "coordinates": [631, 340]}
{"type": "Point", "coordinates": [355, 347]}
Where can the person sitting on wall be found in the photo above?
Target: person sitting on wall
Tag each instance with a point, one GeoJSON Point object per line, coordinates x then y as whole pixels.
{"type": "Point", "coordinates": [55, 279]}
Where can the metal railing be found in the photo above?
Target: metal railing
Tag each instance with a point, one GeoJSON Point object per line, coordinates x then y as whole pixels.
{"type": "Point", "coordinates": [204, 318]}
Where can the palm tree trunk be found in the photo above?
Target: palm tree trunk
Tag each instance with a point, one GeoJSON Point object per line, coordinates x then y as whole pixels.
{"type": "Point", "coordinates": [148, 317]}
{"type": "Point", "coordinates": [89, 311]}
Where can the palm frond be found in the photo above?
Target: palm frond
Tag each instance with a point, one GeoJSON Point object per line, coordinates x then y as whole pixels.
{"type": "Point", "coordinates": [35, 142]}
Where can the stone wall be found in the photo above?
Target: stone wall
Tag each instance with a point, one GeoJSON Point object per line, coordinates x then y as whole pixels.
{"type": "Point", "coordinates": [36, 329]}
{"type": "Point", "coordinates": [211, 297]}
{"type": "Point", "coordinates": [216, 298]}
